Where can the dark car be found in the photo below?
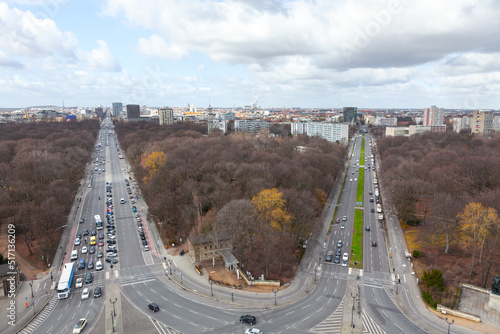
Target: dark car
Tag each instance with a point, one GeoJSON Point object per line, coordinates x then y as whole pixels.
{"type": "Point", "coordinates": [372, 210]}
{"type": "Point", "coordinates": [337, 259]}
{"type": "Point", "coordinates": [85, 231]}
{"type": "Point", "coordinates": [93, 232]}
{"type": "Point", "coordinates": [248, 319]}
{"type": "Point", "coordinates": [134, 209]}
{"type": "Point", "coordinates": [111, 250]}
{"type": "Point", "coordinates": [90, 265]}
{"type": "Point", "coordinates": [144, 242]}
{"type": "Point", "coordinates": [81, 264]}
{"type": "Point", "coordinates": [371, 192]}
{"type": "Point", "coordinates": [82, 220]}
{"type": "Point", "coordinates": [79, 235]}
{"type": "Point", "coordinates": [371, 199]}
{"type": "Point", "coordinates": [374, 244]}
{"type": "Point", "coordinates": [97, 292]}
{"type": "Point", "coordinates": [153, 307]}
{"type": "Point", "coordinates": [367, 228]}
{"type": "Point", "coordinates": [338, 253]}
{"type": "Point", "coordinates": [111, 260]}
{"type": "Point", "coordinates": [112, 241]}
{"type": "Point", "coordinates": [101, 235]}
{"type": "Point", "coordinates": [329, 256]}
{"type": "Point", "coordinates": [88, 277]}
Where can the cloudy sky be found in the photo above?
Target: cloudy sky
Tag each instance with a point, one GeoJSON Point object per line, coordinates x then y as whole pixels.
{"type": "Point", "coordinates": [293, 53]}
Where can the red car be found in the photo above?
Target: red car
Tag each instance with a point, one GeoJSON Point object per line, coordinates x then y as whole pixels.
{"type": "Point", "coordinates": [101, 243]}
{"type": "Point", "coordinates": [337, 220]}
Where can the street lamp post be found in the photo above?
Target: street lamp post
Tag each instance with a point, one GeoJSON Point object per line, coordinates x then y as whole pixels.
{"type": "Point", "coordinates": [113, 302]}
{"type": "Point", "coordinates": [31, 286]}
{"type": "Point", "coordinates": [315, 272]}
{"type": "Point", "coordinates": [211, 290]}
{"type": "Point", "coordinates": [112, 322]}
{"type": "Point", "coordinates": [275, 292]}
{"type": "Point", "coordinates": [449, 323]}
{"type": "Point", "coordinates": [397, 285]}
{"type": "Point", "coordinates": [352, 310]}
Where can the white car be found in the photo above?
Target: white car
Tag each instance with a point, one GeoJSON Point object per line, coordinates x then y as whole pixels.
{"type": "Point", "coordinates": [84, 250]}
{"type": "Point", "coordinates": [77, 241]}
{"type": "Point", "coordinates": [79, 283]}
{"type": "Point", "coordinates": [355, 179]}
{"type": "Point", "coordinates": [146, 247]}
{"type": "Point", "coordinates": [350, 180]}
{"type": "Point", "coordinates": [98, 265]}
{"type": "Point", "coordinates": [85, 293]}
{"type": "Point", "coordinates": [111, 254]}
{"type": "Point", "coordinates": [253, 331]}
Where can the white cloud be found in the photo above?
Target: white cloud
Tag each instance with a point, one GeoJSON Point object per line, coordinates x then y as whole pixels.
{"type": "Point", "coordinates": [99, 59]}
{"type": "Point", "coordinates": [6, 61]}
{"type": "Point", "coordinates": [22, 34]}
{"type": "Point", "coordinates": [156, 46]}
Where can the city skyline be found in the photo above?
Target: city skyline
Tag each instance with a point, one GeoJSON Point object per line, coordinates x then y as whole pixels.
{"type": "Point", "coordinates": [225, 53]}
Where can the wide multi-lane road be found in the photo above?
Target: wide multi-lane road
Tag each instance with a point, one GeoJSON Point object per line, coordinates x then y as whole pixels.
{"type": "Point", "coordinates": [316, 304]}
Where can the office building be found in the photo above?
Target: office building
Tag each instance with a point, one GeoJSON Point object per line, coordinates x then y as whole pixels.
{"type": "Point", "coordinates": [433, 116]}
{"type": "Point", "coordinates": [332, 132]}
{"type": "Point", "coordinates": [461, 123]}
{"type": "Point", "coordinates": [350, 114]}
{"type": "Point", "coordinates": [133, 112]}
{"type": "Point", "coordinates": [166, 116]}
{"type": "Point", "coordinates": [99, 111]}
{"type": "Point", "coordinates": [117, 108]}
{"type": "Point", "coordinates": [251, 126]}
{"type": "Point", "coordinates": [482, 122]}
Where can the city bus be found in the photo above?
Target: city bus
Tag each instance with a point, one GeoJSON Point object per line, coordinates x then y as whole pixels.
{"type": "Point", "coordinates": [98, 222]}
{"type": "Point", "coordinates": [64, 285]}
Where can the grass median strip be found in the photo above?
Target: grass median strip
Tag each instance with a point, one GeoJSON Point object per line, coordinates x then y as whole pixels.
{"type": "Point", "coordinates": [357, 240]}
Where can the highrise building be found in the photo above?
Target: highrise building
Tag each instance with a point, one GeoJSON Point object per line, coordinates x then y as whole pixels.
{"type": "Point", "coordinates": [133, 112]}
{"type": "Point", "coordinates": [350, 114]}
{"type": "Point", "coordinates": [482, 122]}
{"type": "Point", "coordinates": [99, 111]}
{"type": "Point", "coordinates": [433, 116]}
{"type": "Point", "coordinates": [117, 108]}
{"type": "Point", "coordinates": [166, 115]}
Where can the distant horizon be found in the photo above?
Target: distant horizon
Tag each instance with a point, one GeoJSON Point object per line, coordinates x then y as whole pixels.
{"type": "Point", "coordinates": [259, 108]}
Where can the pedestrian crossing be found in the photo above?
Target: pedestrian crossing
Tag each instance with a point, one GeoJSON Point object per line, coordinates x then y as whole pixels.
{"type": "Point", "coordinates": [369, 326]}
{"type": "Point", "coordinates": [332, 324]}
{"type": "Point", "coordinates": [40, 317]}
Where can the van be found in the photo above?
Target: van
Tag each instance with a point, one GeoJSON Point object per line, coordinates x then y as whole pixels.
{"type": "Point", "coordinates": [74, 254]}
{"type": "Point", "coordinates": [98, 265]}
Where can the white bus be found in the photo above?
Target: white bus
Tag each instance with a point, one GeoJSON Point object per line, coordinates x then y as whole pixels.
{"type": "Point", "coordinates": [64, 286]}
{"type": "Point", "coordinates": [98, 222]}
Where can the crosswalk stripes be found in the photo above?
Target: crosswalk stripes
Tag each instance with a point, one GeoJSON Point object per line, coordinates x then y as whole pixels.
{"type": "Point", "coordinates": [332, 324]}
{"type": "Point", "coordinates": [40, 318]}
{"type": "Point", "coordinates": [369, 326]}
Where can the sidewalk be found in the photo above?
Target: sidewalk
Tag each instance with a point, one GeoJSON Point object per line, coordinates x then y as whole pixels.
{"type": "Point", "coordinates": [24, 314]}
